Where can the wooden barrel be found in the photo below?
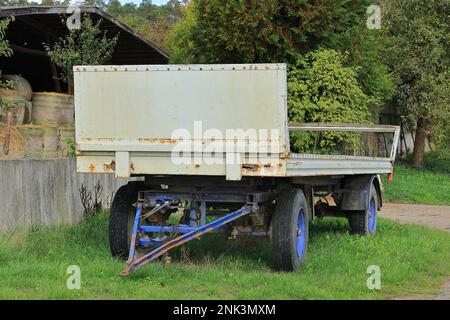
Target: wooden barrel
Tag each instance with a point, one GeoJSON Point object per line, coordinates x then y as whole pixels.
{"type": "Point", "coordinates": [16, 143]}
{"type": "Point", "coordinates": [20, 84]}
{"type": "Point", "coordinates": [17, 104]}
{"type": "Point", "coordinates": [52, 108]}
{"type": "Point", "coordinates": [40, 141]}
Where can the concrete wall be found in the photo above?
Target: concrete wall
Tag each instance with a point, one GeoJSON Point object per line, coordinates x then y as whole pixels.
{"type": "Point", "coordinates": [46, 192]}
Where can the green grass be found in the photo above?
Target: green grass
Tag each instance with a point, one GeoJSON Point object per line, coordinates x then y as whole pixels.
{"type": "Point", "coordinates": [413, 259]}
{"type": "Point", "coordinates": [417, 186]}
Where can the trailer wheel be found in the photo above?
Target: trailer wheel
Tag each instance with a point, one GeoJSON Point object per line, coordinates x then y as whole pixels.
{"type": "Point", "coordinates": [365, 222]}
{"type": "Point", "coordinates": [121, 220]}
{"type": "Point", "coordinates": [290, 230]}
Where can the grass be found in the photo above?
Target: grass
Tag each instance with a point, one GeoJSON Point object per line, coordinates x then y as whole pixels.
{"type": "Point", "coordinates": [418, 186]}
{"type": "Point", "coordinates": [413, 259]}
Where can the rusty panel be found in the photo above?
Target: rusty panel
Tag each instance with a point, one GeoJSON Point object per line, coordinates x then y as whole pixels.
{"type": "Point", "coordinates": [145, 104]}
{"type": "Point", "coordinates": [136, 109]}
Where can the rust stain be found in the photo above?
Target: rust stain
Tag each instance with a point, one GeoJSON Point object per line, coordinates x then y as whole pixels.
{"type": "Point", "coordinates": [262, 169]}
{"type": "Point", "coordinates": [158, 140]}
{"type": "Point", "coordinates": [91, 167]}
{"type": "Point", "coordinates": [132, 166]}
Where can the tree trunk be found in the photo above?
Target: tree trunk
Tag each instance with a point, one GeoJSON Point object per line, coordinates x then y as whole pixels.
{"type": "Point", "coordinates": [70, 86]}
{"type": "Point", "coordinates": [419, 142]}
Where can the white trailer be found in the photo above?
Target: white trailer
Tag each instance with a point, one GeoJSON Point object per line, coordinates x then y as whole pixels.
{"type": "Point", "coordinates": [211, 139]}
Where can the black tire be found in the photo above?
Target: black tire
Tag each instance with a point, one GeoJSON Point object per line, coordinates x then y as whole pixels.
{"type": "Point", "coordinates": [290, 204]}
{"type": "Point", "coordinates": [121, 220]}
{"type": "Point", "coordinates": [360, 221]}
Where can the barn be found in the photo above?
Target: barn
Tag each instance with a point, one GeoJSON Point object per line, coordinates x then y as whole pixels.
{"type": "Point", "coordinates": [34, 26]}
{"type": "Point", "coordinates": [38, 120]}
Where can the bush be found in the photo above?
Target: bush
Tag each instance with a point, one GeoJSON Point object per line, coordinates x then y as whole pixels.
{"type": "Point", "coordinates": [322, 89]}
{"type": "Point", "coordinates": [438, 160]}
{"type": "Point", "coordinates": [5, 51]}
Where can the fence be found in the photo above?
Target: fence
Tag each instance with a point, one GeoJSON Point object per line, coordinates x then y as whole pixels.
{"type": "Point", "coordinates": [46, 192]}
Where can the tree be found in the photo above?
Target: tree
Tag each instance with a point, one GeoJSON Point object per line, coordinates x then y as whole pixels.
{"type": "Point", "coordinates": [213, 31]}
{"type": "Point", "coordinates": [153, 22]}
{"type": "Point", "coordinates": [314, 34]}
{"type": "Point", "coordinates": [181, 41]}
{"type": "Point", "coordinates": [5, 51]}
{"type": "Point", "coordinates": [86, 46]}
{"type": "Point", "coordinates": [418, 54]}
{"type": "Point", "coordinates": [156, 31]}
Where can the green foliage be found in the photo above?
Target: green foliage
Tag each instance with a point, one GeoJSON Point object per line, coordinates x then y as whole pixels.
{"type": "Point", "coordinates": [5, 51]}
{"type": "Point", "coordinates": [418, 54]}
{"type": "Point", "coordinates": [436, 161]}
{"type": "Point", "coordinates": [322, 89]}
{"type": "Point", "coordinates": [7, 84]}
{"type": "Point", "coordinates": [303, 34]}
{"type": "Point", "coordinates": [271, 30]}
{"type": "Point", "coordinates": [71, 147]}
{"type": "Point", "coordinates": [181, 45]}
{"type": "Point", "coordinates": [86, 46]}
{"type": "Point", "coordinates": [157, 31]}
{"type": "Point", "coordinates": [212, 31]}
{"type": "Point", "coordinates": [411, 185]}
{"type": "Point", "coordinates": [153, 22]}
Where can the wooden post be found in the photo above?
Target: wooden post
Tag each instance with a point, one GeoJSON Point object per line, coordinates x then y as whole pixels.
{"type": "Point", "coordinates": [8, 134]}
{"type": "Point", "coordinates": [70, 88]}
{"type": "Point", "coordinates": [53, 69]}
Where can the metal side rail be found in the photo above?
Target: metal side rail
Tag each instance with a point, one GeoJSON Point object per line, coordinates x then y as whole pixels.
{"type": "Point", "coordinates": [134, 263]}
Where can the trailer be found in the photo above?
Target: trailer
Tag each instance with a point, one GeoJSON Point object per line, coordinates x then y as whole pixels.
{"type": "Point", "coordinates": [208, 150]}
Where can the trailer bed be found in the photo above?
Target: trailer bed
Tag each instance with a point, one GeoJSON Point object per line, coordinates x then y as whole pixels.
{"type": "Point", "coordinates": [130, 119]}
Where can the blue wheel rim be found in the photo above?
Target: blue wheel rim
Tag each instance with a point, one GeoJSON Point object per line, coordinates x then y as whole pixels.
{"type": "Point", "coordinates": [300, 233]}
{"type": "Point", "coordinates": [372, 220]}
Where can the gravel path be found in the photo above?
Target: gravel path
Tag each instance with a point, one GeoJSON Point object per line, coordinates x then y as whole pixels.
{"type": "Point", "coordinates": [433, 216]}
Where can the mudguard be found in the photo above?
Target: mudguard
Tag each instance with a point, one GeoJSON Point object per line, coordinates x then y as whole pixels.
{"type": "Point", "coordinates": [357, 190]}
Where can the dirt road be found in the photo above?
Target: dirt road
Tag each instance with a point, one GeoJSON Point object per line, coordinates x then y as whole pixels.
{"type": "Point", "coordinates": [433, 216]}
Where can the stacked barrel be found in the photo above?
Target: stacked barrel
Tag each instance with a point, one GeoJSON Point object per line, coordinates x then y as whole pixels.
{"type": "Point", "coordinates": [45, 120]}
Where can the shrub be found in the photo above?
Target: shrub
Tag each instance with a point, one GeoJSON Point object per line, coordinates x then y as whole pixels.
{"type": "Point", "coordinates": [322, 89]}
{"type": "Point", "coordinates": [5, 51]}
